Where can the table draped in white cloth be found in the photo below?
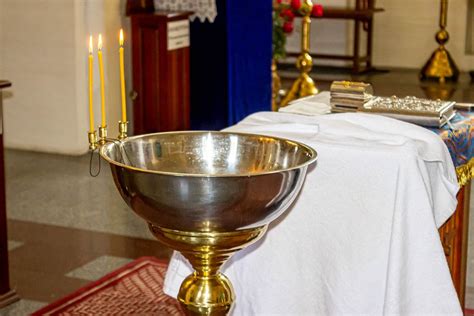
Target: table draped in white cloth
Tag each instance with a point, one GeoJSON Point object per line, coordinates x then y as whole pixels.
{"type": "Point", "coordinates": [203, 9]}
{"type": "Point", "coordinates": [362, 236]}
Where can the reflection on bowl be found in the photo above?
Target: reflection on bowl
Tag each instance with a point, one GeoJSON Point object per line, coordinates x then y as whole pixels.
{"type": "Point", "coordinates": [208, 181]}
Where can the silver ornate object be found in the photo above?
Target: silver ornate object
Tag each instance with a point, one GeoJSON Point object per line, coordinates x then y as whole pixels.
{"type": "Point", "coordinates": [409, 104]}
{"type": "Point", "coordinates": [412, 109]}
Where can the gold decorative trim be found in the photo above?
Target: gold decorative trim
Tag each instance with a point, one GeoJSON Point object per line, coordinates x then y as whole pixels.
{"type": "Point", "coordinates": [465, 172]}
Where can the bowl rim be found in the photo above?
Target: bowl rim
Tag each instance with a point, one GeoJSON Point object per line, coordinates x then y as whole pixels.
{"type": "Point", "coordinates": [103, 149]}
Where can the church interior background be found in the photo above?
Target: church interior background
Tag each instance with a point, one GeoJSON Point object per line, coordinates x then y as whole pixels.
{"type": "Point", "coordinates": [67, 229]}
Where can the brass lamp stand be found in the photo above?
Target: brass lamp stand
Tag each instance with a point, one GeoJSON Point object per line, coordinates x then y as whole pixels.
{"type": "Point", "coordinates": [304, 85]}
{"type": "Point", "coordinates": [441, 66]}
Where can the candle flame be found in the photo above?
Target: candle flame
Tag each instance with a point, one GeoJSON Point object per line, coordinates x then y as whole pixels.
{"type": "Point", "coordinates": [121, 37]}
{"type": "Point", "coordinates": [100, 42]}
{"type": "Point", "coordinates": [90, 45]}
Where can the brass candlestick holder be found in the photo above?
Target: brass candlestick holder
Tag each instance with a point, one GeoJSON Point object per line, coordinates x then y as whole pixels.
{"type": "Point", "coordinates": [95, 142]}
{"type": "Point", "coordinates": [123, 130]}
{"type": "Point", "coordinates": [441, 66]}
{"type": "Point", "coordinates": [102, 135]}
{"type": "Point", "coordinates": [303, 86]}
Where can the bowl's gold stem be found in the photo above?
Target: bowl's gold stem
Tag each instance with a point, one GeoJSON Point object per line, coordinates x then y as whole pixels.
{"type": "Point", "coordinates": [207, 291]}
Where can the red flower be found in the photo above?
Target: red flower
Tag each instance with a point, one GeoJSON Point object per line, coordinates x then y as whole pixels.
{"type": "Point", "coordinates": [287, 27]}
{"type": "Point", "coordinates": [296, 4]}
{"type": "Point", "coordinates": [317, 10]}
{"type": "Point", "coordinates": [288, 15]}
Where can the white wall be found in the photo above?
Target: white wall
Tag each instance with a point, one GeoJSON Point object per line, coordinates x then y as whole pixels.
{"type": "Point", "coordinates": [404, 34]}
{"type": "Point", "coordinates": [43, 51]}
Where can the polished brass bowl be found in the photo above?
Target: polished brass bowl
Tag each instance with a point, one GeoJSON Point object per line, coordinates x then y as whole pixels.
{"type": "Point", "coordinates": [208, 195]}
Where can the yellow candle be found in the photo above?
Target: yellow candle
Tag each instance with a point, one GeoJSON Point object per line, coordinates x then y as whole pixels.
{"type": "Point", "coordinates": [91, 108]}
{"type": "Point", "coordinates": [101, 71]}
{"type": "Point", "coordinates": [122, 79]}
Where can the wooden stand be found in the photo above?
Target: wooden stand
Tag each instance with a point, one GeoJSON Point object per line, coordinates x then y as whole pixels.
{"type": "Point", "coordinates": [160, 74]}
{"type": "Point", "coordinates": [7, 295]}
{"type": "Point", "coordinates": [363, 16]}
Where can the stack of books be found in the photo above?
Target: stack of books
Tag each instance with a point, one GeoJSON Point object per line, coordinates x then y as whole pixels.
{"type": "Point", "coordinates": [347, 96]}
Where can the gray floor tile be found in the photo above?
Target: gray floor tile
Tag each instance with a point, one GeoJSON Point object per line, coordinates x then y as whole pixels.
{"type": "Point", "coordinates": [13, 244]}
{"type": "Point", "coordinates": [98, 268]}
{"type": "Point", "coordinates": [21, 308]}
{"type": "Point", "coordinates": [58, 190]}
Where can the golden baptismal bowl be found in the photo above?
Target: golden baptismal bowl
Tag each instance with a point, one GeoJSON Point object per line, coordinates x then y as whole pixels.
{"type": "Point", "coordinates": [208, 195]}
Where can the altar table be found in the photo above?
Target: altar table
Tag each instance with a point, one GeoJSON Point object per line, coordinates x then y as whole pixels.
{"type": "Point", "coordinates": [458, 137]}
{"type": "Point", "coordinates": [362, 236]}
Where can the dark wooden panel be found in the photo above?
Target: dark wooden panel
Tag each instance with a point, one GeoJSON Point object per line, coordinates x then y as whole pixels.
{"type": "Point", "coordinates": [151, 83]}
{"type": "Point", "coordinates": [350, 14]}
{"type": "Point", "coordinates": [160, 77]}
{"type": "Point", "coordinates": [4, 278]}
{"type": "Point", "coordinates": [5, 84]}
{"type": "Point", "coordinates": [7, 295]}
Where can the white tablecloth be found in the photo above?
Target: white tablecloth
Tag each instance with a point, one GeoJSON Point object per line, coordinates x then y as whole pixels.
{"type": "Point", "coordinates": [362, 236]}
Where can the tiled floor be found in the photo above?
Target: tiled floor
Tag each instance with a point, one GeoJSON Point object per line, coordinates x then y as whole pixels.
{"type": "Point", "coordinates": [67, 228]}
{"type": "Point", "coordinates": [22, 307]}
{"type": "Point", "coordinates": [55, 260]}
{"type": "Point", "coordinates": [13, 244]}
{"type": "Point", "coordinates": [98, 267]}
{"type": "Point", "coordinates": [58, 190]}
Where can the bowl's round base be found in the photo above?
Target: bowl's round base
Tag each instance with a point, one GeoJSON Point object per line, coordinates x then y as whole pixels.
{"type": "Point", "coordinates": [207, 291]}
{"type": "Point", "coordinates": [211, 295]}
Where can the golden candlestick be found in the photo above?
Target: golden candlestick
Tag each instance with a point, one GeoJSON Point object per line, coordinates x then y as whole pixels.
{"type": "Point", "coordinates": [276, 85]}
{"type": "Point", "coordinates": [304, 85]}
{"type": "Point", "coordinates": [123, 130]}
{"type": "Point", "coordinates": [92, 140]}
{"type": "Point", "coordinates": [441, 66]}
{"type": "Point", "coordinates": [102, 135]}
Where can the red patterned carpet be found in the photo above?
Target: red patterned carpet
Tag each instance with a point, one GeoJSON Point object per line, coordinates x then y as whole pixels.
{"type": "Point", "coordinates": [134, 289]}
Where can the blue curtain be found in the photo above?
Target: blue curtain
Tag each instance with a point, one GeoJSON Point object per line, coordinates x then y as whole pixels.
{"type": "Point", "coordinates": [231, 64]}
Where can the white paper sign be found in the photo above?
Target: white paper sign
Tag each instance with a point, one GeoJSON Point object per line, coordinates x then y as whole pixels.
{"type": "Point", "coordinates": [178, 34]}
